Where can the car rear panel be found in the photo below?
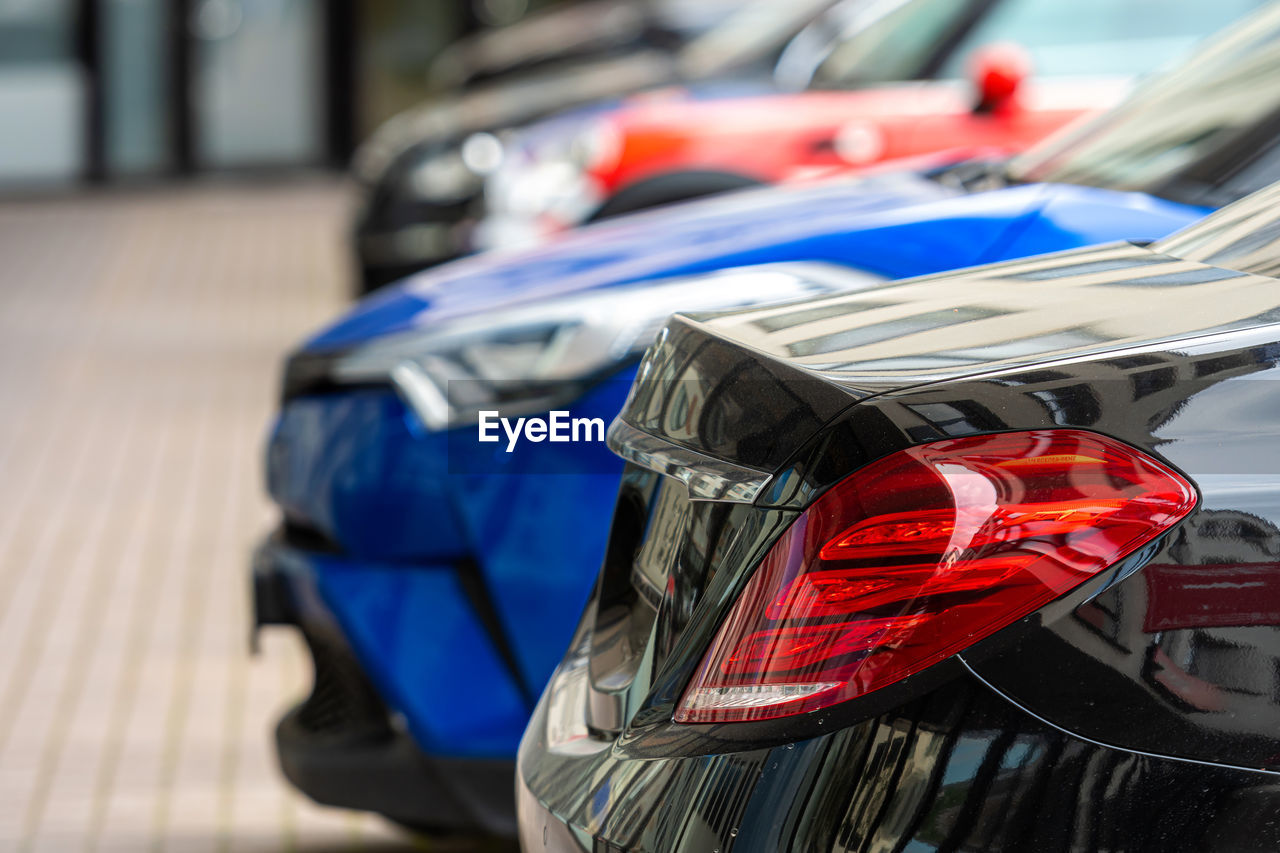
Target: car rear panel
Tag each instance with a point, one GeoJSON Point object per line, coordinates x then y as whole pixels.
{"type": "Point", "coordinates": [794, 367]}
{"type": "Point", "coordinates": [1171, 356]}
{"type": "Point", "coordinates": [960, 769]}
{"type": "Point", "coordinates": [1012, 744]}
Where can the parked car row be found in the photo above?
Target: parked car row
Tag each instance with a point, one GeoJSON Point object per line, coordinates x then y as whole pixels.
{"type": "Point", "coordinates": [861, 82]}
{"type": "Point", "coordinates": [938, 505]}
{"type": "Point", "coordinates": [422, 174]}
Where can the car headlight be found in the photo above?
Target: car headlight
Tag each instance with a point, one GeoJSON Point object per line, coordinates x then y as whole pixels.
{"type": "Point", "coordinates": [453, 174]}
{"type": "Point", "coordinates": [536, 357]}
{"type": "Point", "coordinates": [546, 185]}
{"type": "Point", "coordinates": [597, 147]}
{"type": "Point", "coordinates": [548, 188]}
{"type": "Point", "coordinates": [444, 178]}
{"type": "Point", "coordinates": [482, 153]}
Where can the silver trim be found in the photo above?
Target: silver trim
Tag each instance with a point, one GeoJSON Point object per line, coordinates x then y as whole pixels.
{"type": "Point", "coordinates": [423, 395]}
{"type": "Point", "coordinates": [707, 478]}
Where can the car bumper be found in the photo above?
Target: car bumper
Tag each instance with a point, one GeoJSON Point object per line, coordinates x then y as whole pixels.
{"type": "Point", "coordinates": [343, 746]}
{"type": "Point", "coordinates": [960, 769]}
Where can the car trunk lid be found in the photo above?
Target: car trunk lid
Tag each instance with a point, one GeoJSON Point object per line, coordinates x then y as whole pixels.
{"type": "Point", "coordinates": [725, 401]}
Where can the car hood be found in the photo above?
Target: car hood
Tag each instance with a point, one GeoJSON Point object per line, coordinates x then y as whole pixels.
{"type": "Point", "coordinates": [806, 111]}
{"type": "Point", "coordinates": [507, 103]}
{"type": "Point", "coordinates": [556, 130]}
{"type": "Point", "coordinates": [752, 227]}
{"type": "Point", "coordinates": [889, 225]}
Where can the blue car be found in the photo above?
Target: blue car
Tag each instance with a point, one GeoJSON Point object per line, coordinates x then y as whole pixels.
{"type": "Point", "coordinates": [436, 577]}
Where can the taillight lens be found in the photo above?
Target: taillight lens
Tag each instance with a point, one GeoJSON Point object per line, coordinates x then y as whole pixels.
{"type": "Point", "coordinates": [921, 554]}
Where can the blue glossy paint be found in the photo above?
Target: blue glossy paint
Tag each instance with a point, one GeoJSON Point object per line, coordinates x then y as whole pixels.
{"type": "Point", "coordinates": [895, 225]}
{"type": "Point", "coordinates": [434, 662]}
{"type": "Point", "coordinates": [534, 535]}
{"type": "Point", "coordinates": [358, 467]}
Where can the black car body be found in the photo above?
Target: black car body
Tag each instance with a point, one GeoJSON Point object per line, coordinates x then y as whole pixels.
{"type": "Point", "coordinates": [422, 173]}
{"type": "Point", "coordinates": [571, 32]}
{"type": "Point", "coordinates": [1135, 708]}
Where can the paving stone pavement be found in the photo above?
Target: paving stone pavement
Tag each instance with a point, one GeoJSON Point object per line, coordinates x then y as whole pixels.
{"type": "Point", "coordinates": [140, 339]}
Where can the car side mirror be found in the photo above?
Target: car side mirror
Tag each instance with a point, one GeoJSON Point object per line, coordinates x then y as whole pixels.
{"type": "Point", "coordinates": [998, 73]}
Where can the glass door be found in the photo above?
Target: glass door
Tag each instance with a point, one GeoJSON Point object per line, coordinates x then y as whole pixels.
{"type": "Point", "coordinates": [257, 83]}
{"type": "Point", "coordinates": [43, 93]}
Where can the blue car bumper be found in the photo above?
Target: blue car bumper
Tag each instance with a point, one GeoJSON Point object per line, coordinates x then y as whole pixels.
{"type": "Point", "coordinates": [343, 745]}
{"type": "Point", "coordinates": [405, 568]}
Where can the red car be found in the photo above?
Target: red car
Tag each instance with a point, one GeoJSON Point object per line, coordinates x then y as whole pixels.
{"type": "Point", "coordinates": [1032, 66]}
{"type": "Point", "coordinates": [775, 138]}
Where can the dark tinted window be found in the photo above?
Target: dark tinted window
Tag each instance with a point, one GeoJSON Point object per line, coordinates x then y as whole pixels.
{"type": "Point", "coordinates": [1120, 37]}
{"type": "Point", "coordinates": [1206, 109]}
{"type": "Point", "coordinates": [1244, 236]}
{"type": "Point", "coordinates": [898, 45]}
{"type": "Point", "coordinates": [938, 38]}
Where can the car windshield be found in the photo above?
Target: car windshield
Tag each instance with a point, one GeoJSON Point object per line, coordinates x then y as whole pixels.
{"type": "Point", "coordinates": [692, 19]}
{"type": "Point", "coordinates": [938, 38]}
{"type": "Point", "coordinates": [1244, 236]}
{"type": "Point", "coordinates": [546, 35]}
{"type": "Point", "coordinates": [1212, 123]}
{"type": "Point", "coordinates": [756, 30]}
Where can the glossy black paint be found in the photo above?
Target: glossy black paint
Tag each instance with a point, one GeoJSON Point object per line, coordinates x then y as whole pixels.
{"type": "Point", "coordinates": [1140, 712]}
{"type": "Point", "coordinates": [959, 769]}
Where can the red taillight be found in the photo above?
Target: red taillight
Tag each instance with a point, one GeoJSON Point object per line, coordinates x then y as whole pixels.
{"type": "Point", "coordinates": [921, 554]}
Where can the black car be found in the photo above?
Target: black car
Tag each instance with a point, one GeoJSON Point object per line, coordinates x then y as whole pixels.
{"type": "Point", "coordinates": [421, 174]}
{"type": "Point", "coordinates": [987, 560]}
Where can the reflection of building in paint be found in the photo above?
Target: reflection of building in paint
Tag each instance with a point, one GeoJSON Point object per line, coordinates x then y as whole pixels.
{"type": "Point", "coordinates": [1036, 309]}
{"type": "Point", "coordinates": [1214, 616]}
{"type": "Point", "coordinates": [1200, 633]}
